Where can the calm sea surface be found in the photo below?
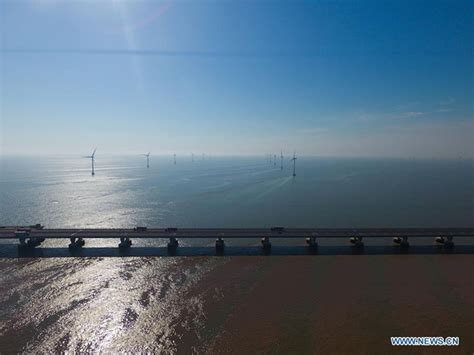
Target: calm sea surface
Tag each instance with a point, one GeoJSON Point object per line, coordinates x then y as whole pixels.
{"type": "Point", "coordinates": [244, 304]}
{"type": "Point", "coordinates": [236, 192]}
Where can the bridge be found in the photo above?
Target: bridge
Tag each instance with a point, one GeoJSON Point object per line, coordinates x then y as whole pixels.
{"type": "Point", "coordinates": [33, 236]}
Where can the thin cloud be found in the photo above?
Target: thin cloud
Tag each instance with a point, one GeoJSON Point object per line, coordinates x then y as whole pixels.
{"type": "Point", "coordinates": [401, 111]}
{"type": "Point", "coordinates": [404, 115]}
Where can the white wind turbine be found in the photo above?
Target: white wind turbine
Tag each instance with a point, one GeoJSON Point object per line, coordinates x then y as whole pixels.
{"type": "Point", "coordinates": [147, 159]}
{"type": "Point", "coordinates": [92, 158]}
{"type": "Point", "coordinates": [294, 163]}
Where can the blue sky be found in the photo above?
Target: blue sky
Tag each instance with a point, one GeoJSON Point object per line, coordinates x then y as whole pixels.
{"type": "Point", "coordinates": [332, 78]}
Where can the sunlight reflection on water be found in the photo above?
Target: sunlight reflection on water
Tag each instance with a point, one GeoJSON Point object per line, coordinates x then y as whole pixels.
{"type": "Point", "coordinates": [236, 192]}
{"type": "Point", "coordinates": [150, 304]}
{"type": "Point", "coordinates": [100, 304]}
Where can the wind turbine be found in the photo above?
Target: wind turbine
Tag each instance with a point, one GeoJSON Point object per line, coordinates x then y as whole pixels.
{"type": "Point", "coordinates": [281, 160]}
{"type": "Point", "coordinates": [192, 157]}
{"type": "Point", "coordinates": [92, 158]}
{"type": "Point", "coordinates": [147, 155]}
{"type": "Point", "coordinates": [274, 160]}
{"type": "Point", "coordinates": [294, 163]}
{"type": "Point", "coordinates": [174, 156]}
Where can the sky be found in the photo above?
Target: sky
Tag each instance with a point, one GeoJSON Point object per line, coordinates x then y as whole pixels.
{"type": "Point", "coordinates": [324, 78]}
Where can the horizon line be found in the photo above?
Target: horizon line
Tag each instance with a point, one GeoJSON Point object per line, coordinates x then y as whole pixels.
{"type": "Point", "coordinates": [198, 156]}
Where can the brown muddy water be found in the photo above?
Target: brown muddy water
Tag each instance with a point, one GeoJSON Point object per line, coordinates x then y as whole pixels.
{"type": "Point", "coordinates": [245, 304]}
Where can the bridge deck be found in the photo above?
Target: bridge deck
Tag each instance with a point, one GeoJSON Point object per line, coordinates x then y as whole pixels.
{"type": "Point", "coordinates": [9, 233]}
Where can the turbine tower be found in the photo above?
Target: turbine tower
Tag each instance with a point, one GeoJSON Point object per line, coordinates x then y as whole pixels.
{"type": "Point", "coordinates": [281, 160]}
{"type": "Point", "coordinates": [174, 157]}
{"type": "Point", "coordinates": [294, 163]}
{"type": "Point", "coordinates": [147, 159]}
{"type": "Point", "coordinates": [92, 158]}
{"type": "Point", "coordinates": [192, 157]}
{"type": "Point", "coordinates": [274, 160]}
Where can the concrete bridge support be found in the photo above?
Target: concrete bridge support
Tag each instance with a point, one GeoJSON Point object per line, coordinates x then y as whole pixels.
{"type": "Point", "coordinates": [76, 243]}
{"type": "Point", "coordinates": [312, 244]}
{"type": "Point", "coordinates": [173, 245]}
{"type": "Point", "coordinates": [220, 245]}
{"type": "Point", "coordinates": [357, 242]}
{"type": "Point", "coordinates": [28, 242]}
{"type": "Point", "coordinates": [401, 241]}
{"type": "Point", "coordinates": [266, 245]}
{"type": "Point", "coordinates": [446, 242]}
{"type": "Point", "coordinates": [125, 243]}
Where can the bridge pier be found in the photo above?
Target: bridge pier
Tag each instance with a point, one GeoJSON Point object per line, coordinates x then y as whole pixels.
{"type": "Point", "coordinates": [266, 245]}
{"type": "Point", "coordinates": [76, 243]}
{"type": "Point", "coordinates": [26, 241]}
{"type": "Point", "coordinates": [31, 242]}
{"type": "Point", "coordinates": [35, 241]}
{"type": "Point", "coordinates": [401, 241]}
{"type": "Point", "coordinates": [173, 245]}
{"type": "Point", "coordinates": [22, 238]}
{"type": "Point", "coordinates": [125, 243]}
{"type": "Point", "coordinates": [220, 245]}
{"type": "Point", "coordinates": [446, 242]}
{"type": "Point", "coordinates": [357, 242]}
{"type": "Point", "coordinates": [449, 242]}
{"type": "Point", "coordinates": [312, 243]}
